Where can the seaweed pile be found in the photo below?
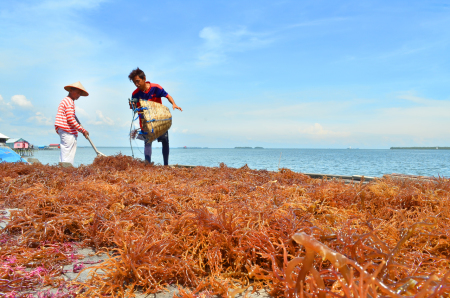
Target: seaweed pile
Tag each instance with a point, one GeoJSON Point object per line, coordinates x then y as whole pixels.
{"type": "Point", "coordinates": [223, 231]}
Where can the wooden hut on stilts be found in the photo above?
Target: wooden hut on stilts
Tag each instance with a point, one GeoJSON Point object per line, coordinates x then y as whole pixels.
{"type": "Point", "coordinates": [20, 146]}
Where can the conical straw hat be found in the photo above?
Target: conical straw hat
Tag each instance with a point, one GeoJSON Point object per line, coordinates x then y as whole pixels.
{"type": "Point", "coordinates": [78, 86]}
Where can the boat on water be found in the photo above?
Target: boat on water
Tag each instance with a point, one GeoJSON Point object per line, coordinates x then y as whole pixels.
{"type": "Point", "coordinates": [8, 155]}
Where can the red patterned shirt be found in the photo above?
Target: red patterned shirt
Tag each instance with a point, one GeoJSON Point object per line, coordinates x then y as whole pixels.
{"type": "Point", "coordinates": [65, 118]}
{"type": "Point", "coordinates": [154, 93]}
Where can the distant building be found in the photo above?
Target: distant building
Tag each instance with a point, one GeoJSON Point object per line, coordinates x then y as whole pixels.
{"type": "Point", "coordinates": [17, 144]}
{"type": "Point", "coordinates": [3, 138]}
{"type": "Point", "coordinates": [53, 146]}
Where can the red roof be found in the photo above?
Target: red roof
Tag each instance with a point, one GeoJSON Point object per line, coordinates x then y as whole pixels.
{"type": "Point", "coordinates": [54, 145]}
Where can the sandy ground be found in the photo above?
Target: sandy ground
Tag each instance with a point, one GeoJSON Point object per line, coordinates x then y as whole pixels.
{"type": "Point", "coordinates": [92, 259]}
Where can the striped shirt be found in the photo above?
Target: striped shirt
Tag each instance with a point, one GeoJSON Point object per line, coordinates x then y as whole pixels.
{"type": "Point", "coordinates": [65, 118]}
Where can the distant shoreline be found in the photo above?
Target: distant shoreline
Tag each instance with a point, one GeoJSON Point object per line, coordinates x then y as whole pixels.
{"type": "Point", "coordinates": [346, 149]}
{"type": "Point", "coordinates": [422, 148]}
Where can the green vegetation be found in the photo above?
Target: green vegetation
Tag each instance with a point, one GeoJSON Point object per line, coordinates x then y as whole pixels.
{"type": "Point", "coordinates": [423, 148]}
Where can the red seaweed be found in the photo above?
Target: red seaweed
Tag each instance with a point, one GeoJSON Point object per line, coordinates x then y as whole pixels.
{"type": "Point", "coordinates": [221, 231]}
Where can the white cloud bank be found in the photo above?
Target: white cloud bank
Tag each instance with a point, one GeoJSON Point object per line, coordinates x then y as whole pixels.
{"type": "Point", "coordinates": [19, 101]}
{"type": "Point", "coordinates": [341, 123]}
{"type": "Point", "coordinates": [19, 107]}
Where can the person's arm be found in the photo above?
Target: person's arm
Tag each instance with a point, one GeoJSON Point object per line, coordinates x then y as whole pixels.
{"type": "Point", "coordinates": [85, 132]}
{"type": "Point", "coordinates": [174, 105]}
{"type": "Point", "coordinates": [130, 102]}
{"type": "Point", "coordinates": [70, 114]}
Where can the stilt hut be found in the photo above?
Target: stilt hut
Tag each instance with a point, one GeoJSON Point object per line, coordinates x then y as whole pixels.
{"type": "Point", "coordinates": [21, 146]}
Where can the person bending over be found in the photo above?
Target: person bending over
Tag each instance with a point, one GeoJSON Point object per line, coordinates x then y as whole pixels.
{"type": "Point", "coordinates": [152, 92]}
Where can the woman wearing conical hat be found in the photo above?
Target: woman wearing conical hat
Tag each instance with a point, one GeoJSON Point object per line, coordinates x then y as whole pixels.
{"type": "Point", "coordinates": [66, 124]}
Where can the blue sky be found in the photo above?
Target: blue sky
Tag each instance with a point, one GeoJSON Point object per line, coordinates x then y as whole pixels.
{"type": "Point", "coordinates": [289, 74]}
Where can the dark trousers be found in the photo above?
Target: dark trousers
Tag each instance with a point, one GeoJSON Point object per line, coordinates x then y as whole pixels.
{"type": "Point", "coordinates": [164, 139]}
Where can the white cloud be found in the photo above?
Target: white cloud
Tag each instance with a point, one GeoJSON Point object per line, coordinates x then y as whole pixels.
{"type": "Point", "coordinates": [41, 119]}
{"type": "Point", "coordinates": [219, 43]}
{"type": "Point", "coordinates": [102, 120]}
{"type": "Point", "coordinates": [213, 38]}
{"type": "Point", "coordinates": [81, 111]}
{"type": "Point", "coordinates": [423, 101]}
{"type": "Point", "coordinates": [6, 109]}
{"type": "Point", "coordinates": [4, 106]}
{"type": "Point", "coordinates": [184, 131]}
{"type": "Point", "coordinates": [17, 100]}
{"type": "Point", "coordinates": [318, 131]}
{"type": "Point", "coordinates": [21, 101]}
{"type": "Point", "coordinates": [105, 119]}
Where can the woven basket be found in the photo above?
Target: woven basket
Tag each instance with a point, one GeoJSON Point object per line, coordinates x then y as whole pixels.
{"type": "Point", "coordinates": [157, 119]}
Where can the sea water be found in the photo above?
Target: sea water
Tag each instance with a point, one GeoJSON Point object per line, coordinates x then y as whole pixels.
{"type": "Point", "coordinates": [368, 162]}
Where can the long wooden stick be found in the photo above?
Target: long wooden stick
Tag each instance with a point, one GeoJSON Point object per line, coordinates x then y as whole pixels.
{"type": "Point", "coordinates": [93, 146]}
{"type": "Point", "coordinates": [89, 139]}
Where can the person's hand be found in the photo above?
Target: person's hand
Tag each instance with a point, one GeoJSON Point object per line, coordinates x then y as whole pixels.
{"type": "Point", "coordinates": [86, 134]}
{"type": "Point", "coordinates": [174, 106]}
